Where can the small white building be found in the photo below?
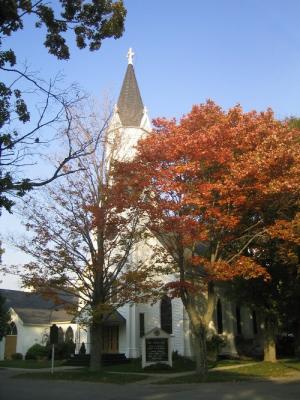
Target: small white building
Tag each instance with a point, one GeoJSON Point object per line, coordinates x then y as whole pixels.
{"type": "Point", "coordinates": [31, 318]}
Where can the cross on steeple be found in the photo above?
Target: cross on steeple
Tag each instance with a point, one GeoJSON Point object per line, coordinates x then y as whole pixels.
{"type": "Point", "coordinates": [130, 55]}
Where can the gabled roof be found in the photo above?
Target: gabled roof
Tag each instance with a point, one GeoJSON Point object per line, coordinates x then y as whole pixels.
{"type": "Point", "coordinates": [115, 319]}
{"type": "Point", "coordinates": [130, 104]}
{"type": "Point", "coordinates": [32, 308]}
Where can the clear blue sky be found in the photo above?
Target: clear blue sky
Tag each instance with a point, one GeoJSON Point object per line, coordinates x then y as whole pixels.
{"type": "Point", "coordinates": [232, 51]}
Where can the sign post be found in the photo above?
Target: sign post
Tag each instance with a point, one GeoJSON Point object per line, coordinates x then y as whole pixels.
{"type": "Point", "coordinates": [53, 342]}
{"type": "Point", "coordinates": [52, 359]}
{"type": "Point", "coordinates": [156, 348]}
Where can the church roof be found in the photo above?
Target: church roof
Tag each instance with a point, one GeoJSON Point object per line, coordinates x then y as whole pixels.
{"type": "Point", "coordinates": [130, 104]}
{"type": "Point", "coordinates": [32, 308]}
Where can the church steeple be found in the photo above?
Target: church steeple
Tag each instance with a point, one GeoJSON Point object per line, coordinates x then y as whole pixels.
{"type": "Point", "coordinates": [130, 104]}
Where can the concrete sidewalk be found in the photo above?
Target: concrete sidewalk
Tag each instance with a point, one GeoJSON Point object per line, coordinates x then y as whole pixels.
{"type": "Point", "coordinates": [157, 377]}
{"type": "Point", "coordinates": [62, 368]}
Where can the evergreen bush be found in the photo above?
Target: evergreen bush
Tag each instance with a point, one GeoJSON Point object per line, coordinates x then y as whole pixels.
{"type": "Point", "coordinates": [37, 352]}
{"type": "Point", "coordinates": [17, 356]}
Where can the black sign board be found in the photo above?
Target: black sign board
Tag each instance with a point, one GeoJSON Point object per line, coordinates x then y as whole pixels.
{"type": "Point", "coordinates": [157, 349]}
{"type": "Point", "coordinates": [53, 334]}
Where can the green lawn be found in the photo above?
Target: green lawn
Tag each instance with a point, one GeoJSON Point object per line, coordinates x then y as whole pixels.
{"type": "Point", "coordinates": [135, 366]}
{"type": "Point", "coordinates": [29, 364]}
{"type": "Point", "coordinates": [260, 370]}
{"type": "Point", "coordinates": [180, 364]}
{"type": "Point", "coordinates": [227, 363]}
{"type": "Point", "coordinates": [82, 375]}
{"type": "Point", "coordinates": [292, 363]}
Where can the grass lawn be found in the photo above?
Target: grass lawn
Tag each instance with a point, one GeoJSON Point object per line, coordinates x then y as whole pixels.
{"type": "Point", "coordinates": [82, 375]}
{"type": "Point", "coordinates": [135, 366]}
{"type": "Point", "coordinates": [180, 364]}
{"type": "Point", "coordinates": [292, 363]}
{"type": "Point", "coordinates": [30, 364]}
{"type": "Point", "coordinates": [260, 370]}
{"type": "Point", "coordinates": [227, 363]}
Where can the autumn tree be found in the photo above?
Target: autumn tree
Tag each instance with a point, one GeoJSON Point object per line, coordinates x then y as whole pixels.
{"type": "Point", "coordinates": [207, 183]}
{"type": "Point", "coordinates": [32, 109]}
{"type": "Point", "coordinates": [79, 245]}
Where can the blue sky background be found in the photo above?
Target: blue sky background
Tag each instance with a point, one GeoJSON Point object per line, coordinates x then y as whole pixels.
{"type": "Point", "coordinates": [231, 51]}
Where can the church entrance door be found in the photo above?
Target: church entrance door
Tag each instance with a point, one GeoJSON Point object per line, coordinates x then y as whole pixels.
{"type": "Point", "coordinates": [10, 346]}
{"type": "Point", "coordinates": [111, 339]}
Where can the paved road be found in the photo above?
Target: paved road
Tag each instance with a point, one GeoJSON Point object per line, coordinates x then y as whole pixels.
{"type": "Point", "coordinates": [25, 389]}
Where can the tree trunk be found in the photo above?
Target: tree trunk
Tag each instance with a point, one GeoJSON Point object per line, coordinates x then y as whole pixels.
{"type": "Point", "coordinates": [96, 331]}
{"type": "Point", "coordinates": [269, 342]}
{"type": "Point", "coordinates": [297, 339]}
{"type": "Point", "coordinates": [211, 300]}
{"type": "Point", "coordinates": [199, 334]}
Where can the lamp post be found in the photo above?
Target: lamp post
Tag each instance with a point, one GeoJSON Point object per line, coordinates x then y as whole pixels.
{"type": "Point", "coordinates": [53, 339]}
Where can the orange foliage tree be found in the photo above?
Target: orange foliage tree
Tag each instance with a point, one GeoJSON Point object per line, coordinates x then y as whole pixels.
{"type": "Point", "coordinates": [209, 186]}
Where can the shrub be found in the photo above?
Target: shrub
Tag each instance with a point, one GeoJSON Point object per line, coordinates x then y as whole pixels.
{"type": "Point", "coordinates": [36, 352]}
{"type": "Point", "coordinates": [17, 356]}
{"type": "Point", "coordinates": [182, 362]}
{"type": "Point", "coordinates": [82, 350]}
{"type": "Point", "coordinates": [158, 367]}
{"type": "Point", "coordinates": [248, 347]}
{"type": "Point", "coordinates": [215, 343]}
{"type": "Point", "coordinates": [285, 345]}
{"type": "Point", "coordinates": [64, 350]}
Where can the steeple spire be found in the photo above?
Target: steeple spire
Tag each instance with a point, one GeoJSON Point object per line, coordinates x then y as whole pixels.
{"type": "Point", "coordinates": [130, 104]}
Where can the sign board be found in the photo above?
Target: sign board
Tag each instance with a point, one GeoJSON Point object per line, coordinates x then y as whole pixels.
{"type": "Point", "coordinates": [156, 348]}
{"type": "Point", "coordinates": [53, 334]}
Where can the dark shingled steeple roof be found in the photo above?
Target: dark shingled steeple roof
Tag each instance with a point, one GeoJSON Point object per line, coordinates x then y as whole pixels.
{"type": "Point", "coordinates": [130, 104]}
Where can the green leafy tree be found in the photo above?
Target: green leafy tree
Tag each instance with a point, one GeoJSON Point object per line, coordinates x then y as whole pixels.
{"type": "Point", "coordinates": [4, 318]}
{"type": "Point", "coordinates": [294, 122]}
{"type": "Point", "coordinates": [277, 301]}
{"type": "Point", "coordinates": [23, 130]}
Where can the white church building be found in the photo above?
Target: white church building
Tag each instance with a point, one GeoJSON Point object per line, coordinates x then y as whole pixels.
{"type": "Point", "coordinates": [130, 122]}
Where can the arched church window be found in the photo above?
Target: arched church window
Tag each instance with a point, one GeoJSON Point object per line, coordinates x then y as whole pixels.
{"type": "Point", "coordinates": [61, 335]}
{"type": "Point", "coordinates": [238, 320]}
{"type": "Point", "coordinates": [219, 317]}
{"type": "Point", "coordinates": [69, 336]}
{"type": "Point", "coordinates": [12, 329]}
{"type": "Point", "coordinates": [166, 314]}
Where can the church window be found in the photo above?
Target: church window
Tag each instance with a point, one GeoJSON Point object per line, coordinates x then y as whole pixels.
{"type": "Point", "coordinates": [219, 317]}
{"type": "Point", "coordinates": [61, 335]}
{"type": "Point", "coordinates": [238, 320]}
{"type": "Point", "coordinates": [69, 337]}
{"type": "Point", "coordinates": [166, 314]}
{"type": "Point", "coordinates": [142, 324]}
